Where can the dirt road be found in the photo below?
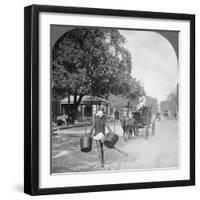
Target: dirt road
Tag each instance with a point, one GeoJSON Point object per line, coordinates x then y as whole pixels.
{"type": "Point", "coordinates": [159, 151]}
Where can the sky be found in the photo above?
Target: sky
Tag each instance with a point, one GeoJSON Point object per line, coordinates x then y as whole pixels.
{"type": "Point", "coordinates": [154, 62]}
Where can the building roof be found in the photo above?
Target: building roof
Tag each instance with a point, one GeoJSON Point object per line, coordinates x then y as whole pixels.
{"type": "Point", "coordinates": [86, 100]}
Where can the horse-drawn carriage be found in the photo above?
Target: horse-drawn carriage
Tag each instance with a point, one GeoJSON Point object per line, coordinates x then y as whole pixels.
{"type": "Point", "coordinates": [138, 122]}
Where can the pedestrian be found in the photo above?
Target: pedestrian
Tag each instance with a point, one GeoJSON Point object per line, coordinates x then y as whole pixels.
{"type": "Point", "coordinates": [64, 118]}
{"type": "Point", "coordinates": [158, 115]}
{"type": "Point", "coordinates": [99, 128]}
{"type": "Point", "coordinates": [67, 118]}
{"type": "Point", "coordinates": [175, 115]}
{"type": "Point", "coordinates": [166, 114]}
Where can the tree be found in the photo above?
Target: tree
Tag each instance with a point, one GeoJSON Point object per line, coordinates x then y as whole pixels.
{"type": "Point", "coordinates": [136, 90]}
{"type": "Point", "coordinates": [153, 102]}
{"type": "Point", "coordinates": [171, 103]}
{"type": "Point", "coordinates": [118, 101]}
{"type": "Point", "coordinates": [90, 61]}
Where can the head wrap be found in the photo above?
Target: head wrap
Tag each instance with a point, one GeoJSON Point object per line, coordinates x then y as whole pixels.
{"type": "Point", "coordinates": [99, 114]}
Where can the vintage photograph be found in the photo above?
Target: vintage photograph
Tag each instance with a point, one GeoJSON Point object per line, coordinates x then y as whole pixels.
{"type": "Point", "coordinates": [114, 99]}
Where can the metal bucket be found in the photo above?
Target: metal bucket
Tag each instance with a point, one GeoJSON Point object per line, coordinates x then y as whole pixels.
{"type": "Point", "coordinates": [110, 140]}
{"type": "Point", "coordinates": [86, 143]}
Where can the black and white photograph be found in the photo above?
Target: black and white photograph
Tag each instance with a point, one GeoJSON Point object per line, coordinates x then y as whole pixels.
{"type": "Point", "coordinates": [114, 99]}
{"type": "Point", "coordinates": [99, 100]}
{"type": "Point", "coordinates": [109, 99]}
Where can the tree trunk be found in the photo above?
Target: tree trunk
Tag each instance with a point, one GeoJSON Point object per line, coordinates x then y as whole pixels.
{"type": "Point", "coordinates": [68, 98]}
{"type": "Point", "coordinates": [74, 107]}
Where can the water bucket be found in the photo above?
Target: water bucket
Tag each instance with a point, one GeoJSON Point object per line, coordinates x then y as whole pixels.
{"type": "Point", "coordinates": [86, 143]}
{"type": "Point", "coordinates": [111, 139]}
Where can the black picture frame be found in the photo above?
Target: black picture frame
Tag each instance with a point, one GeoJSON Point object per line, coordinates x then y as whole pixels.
{"type": "Point", "coordinates": [31, 98]}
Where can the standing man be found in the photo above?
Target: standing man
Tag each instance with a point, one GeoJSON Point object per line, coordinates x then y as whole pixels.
{"type": "Point", "coordinates": [99, 127]}
{"type": "Point", "coordinates": [64, 118]}
{"type": "Point", "coordinates": [158, 115]}
{"type": "Point", "coordinates": [67, 118]}
{"type": "Point", "coordinates": [142, 102]}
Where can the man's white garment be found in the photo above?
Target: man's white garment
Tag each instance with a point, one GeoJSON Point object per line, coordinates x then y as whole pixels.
{"type": "Point", "coordinates": [100, 136]}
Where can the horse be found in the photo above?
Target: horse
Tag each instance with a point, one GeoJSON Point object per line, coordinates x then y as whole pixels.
{"type": "Point", "coordinates": [127, 124]}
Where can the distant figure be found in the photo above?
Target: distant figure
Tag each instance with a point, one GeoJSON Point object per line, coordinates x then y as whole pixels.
{"type": "Point", "coordinates": [67, 118]}
{"type": "Point", "coordinates": [158, 115]}
{"type": "Point", "coordinates": [64, 118]}
{"type": "Point", "coordinates": [175, 115]}
{"type": "Point", "coordinates": [142, 102]}
{"type": "Point", "coordinates": [166, 114]}
{"type": "Point", "coordinates": [131, 122]}
{"type": "Point", "coordinates": [99, 127]}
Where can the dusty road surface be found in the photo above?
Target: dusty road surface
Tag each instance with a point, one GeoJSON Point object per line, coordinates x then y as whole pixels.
{"type": "Point", "coordinates": [159, 151]}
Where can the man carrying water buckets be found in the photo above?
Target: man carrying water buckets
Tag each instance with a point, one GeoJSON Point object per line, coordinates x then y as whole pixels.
{"type": "Point", "coordinates": [99, 127]}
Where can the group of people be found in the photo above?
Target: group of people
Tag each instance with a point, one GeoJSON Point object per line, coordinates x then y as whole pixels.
{"type": "Point", "coordinates": [137, 117]}
{"type": "Point", "coordinates": [166, 114]}
{"type": "Point", "coordinates": [63, 119]}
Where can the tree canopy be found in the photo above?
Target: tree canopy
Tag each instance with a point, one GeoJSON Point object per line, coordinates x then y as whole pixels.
{"type": "Point", "coordinates": [93, 61]}
{"type": "Point", "coordinates": [131, 98]}
{"type": "Point", "coordinates": [118, 101]}
{"type": "Point", "coordinates": [90, 61]}
{"type": "Point", "coordinates": [153, 102]}
{"type": "Point", "coordinates": [136, 90]}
